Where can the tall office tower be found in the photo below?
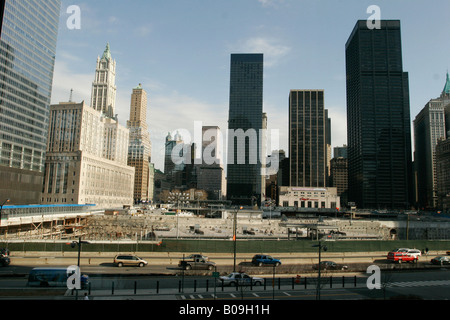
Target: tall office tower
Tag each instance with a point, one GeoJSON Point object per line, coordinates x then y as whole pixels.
{"type": "Point", "coordinates": [103, 96]}
{"type": "Point", "coordinates": [29, 30]}
{"type": "Point", "coordinates": [339, 177]}
{"type": "Point", "coordinates": [211, 175]}
{"type": "Point", "coordinates": [328, 144]}
{"type": "Point", "coordinates": [308, 147]}
{"type": "Point", "coordinates": [245, 123]}
{"type": "Point", "coordinates": [174, 159]}
{"type": "Point", "coordinates": [429, 128]}
{"type": "Point", "coordinates": [77, 169]}
{"type": "Point", "coordinates": [139, 149]}
{"type": "Point", "coordinates": [378, 118]}
{"type": "Point", "coordinates": [443, 174]}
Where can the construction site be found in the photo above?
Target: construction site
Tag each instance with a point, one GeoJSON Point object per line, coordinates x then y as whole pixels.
{"type": "Point", "coordinates": [144, 224]}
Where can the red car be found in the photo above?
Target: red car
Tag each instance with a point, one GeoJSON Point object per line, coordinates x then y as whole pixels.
{"type": "Point", "coordinates": [399, 256]}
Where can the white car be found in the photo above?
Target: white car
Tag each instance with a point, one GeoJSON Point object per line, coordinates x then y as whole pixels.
{"type": "Point", "coordinates": [241, 279]}
{"type": "Point", "coordinates": [414, 252]}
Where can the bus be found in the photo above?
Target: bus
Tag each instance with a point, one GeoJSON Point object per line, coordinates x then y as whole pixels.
{"type": "Point", "coordinates": [53, 277]}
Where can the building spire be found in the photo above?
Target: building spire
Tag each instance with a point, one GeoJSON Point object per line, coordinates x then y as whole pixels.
{"type": "Point", "coordinates": [107, 52]}
{"type": "Point", "coordinates": [446, 91]}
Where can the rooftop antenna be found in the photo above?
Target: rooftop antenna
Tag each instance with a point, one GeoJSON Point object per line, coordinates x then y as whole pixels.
{"type": "Point", "coordinates": [71, 95]}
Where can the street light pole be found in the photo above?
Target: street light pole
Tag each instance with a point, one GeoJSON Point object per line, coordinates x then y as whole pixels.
{"type": "Point", "coordinates": [73, 244]}
{"type": "Point", "coordinates": [234, 236]}
{"type": "Point", "coordinates": [324, 248]}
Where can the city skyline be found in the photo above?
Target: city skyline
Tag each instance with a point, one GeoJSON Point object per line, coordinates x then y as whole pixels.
{"type": "Point", "coordinates": [182, 58]}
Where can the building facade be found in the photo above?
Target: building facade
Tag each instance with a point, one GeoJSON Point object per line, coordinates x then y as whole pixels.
{"type": "Point", "coordinates": [174, 159]}
{"type": "Point", "coordinates": [309, 139]}
{"type": "Point", "coordinates": [245, 123]}
{"type": "Point", "coordinates": [443, 174]}
{"type": "Point", "coordinates": [303, 197]}
{"type": "Point", "coordinates": [210, 173]}
{"type": "Point", "coordinates": [339, 177]}
{"type": "Point", "coordinates": [139, 149]}
{"type": "Point", "coordinates": [29, 30]}
{"type": "Point", "coordinates": [340, 152]}
{"type": "Point", "coordinates": [429, 128]}
{"type": "Point", "coordinates": [378, 118]}
{"type": "Point", "coordinates": [76, 169]}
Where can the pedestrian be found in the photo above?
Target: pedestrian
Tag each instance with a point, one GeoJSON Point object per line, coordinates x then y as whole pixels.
{"type": "Point", "coordinates": [86, 296]}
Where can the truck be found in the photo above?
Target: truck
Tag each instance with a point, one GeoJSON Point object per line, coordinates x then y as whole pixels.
{"type": "Point", "coordinates": [197, 263]}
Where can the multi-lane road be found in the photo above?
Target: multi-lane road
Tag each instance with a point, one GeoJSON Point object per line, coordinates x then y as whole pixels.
{"type": "Point", "coordinates": [169, 282]}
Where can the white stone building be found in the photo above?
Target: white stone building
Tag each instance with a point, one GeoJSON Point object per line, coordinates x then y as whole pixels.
{"type": "Point", "coordinates": [307, 197]}
{"type": "Point", "coordinates": [86, 161]}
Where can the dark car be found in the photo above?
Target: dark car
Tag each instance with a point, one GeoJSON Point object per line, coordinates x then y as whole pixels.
{"type": "Point", "coordinates": [329, 265]}
{"type": "Point", "coordinates": [440, 260]}
{"type": "Point", "coordinates": [262, 259]}
{"type": "Point", "coordinates": [4, 257]}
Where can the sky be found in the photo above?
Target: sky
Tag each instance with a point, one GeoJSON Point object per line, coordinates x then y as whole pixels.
{"type": "Point", "coordinates": [179, 50]}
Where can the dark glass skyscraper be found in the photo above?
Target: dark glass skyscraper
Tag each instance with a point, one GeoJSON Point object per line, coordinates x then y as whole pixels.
{"type": "Point", "coordinates": [29, 30]}
{"type": "Point", "coordinates": [244, 123]}
{"type": "Point", "coordinates": [378, 116]}
{"type": "Point", "coordinates": [309, 135]}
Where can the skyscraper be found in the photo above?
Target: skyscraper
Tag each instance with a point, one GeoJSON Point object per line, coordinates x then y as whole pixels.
{"type": "Point", "coordinates": [103, 96]}
{"type": "Point", "coordinates": [308, 138]}
{"type": "Point", "coordinates": [210, 174]}
{"type": "Point", "coordinates": [378, 118]}
{"type": "Point", "coordinates": [139, 149]}
{"type": "Point", "coordinates": [429, 128]}
{"type": "Point", "coordinates": [245, 123]}
{"type": "Point", "coordinates": [174, 161]}
{"type": "Point", "coordinates": [29, 30]}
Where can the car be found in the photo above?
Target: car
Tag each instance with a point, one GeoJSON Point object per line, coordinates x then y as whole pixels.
{"type": "Point", "coordinates": [197, 256]}
{"type": "Point", "coordinates": [241, 279]}
{"type": "Point", "coordinates": [262, 259]}
{"type": "Point", "coordinates": [4, 257]}
{"type": "Point", "coordinates": [400, 250]}
{"type": "Point", "coordinates": [197, 264]}
{"type": "Point", "coordinates": [448, 252]}
{"type": "Point", "coordinates": [401, 256]}
{"type": "Point", "coordinates": [330, 265]}
{"type": "Point", "coordinates": [121, 260]}
{"type": "Point", "coordinates": [440, 260]}
{"type": "Point", "coordinates": [413, 252]}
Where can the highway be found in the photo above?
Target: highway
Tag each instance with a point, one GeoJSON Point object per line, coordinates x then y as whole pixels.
{"type": "Point", "coordinates": [162, 282]}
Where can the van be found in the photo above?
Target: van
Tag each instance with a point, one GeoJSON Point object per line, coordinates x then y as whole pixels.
{"type": "Point", "coordinates": [414, 252]}
{"type": "Point", "coordinates": [129, 260]}
{"type": "Point", "coordinates": [53, 277]}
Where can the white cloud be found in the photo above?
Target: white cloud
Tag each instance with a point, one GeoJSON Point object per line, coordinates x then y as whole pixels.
{"type": "Point", "coordinates": [270, 3]}
{"type": "Point", "coordinates": [338, 118]}
{"type": "Point", "coordinates": [64, 80]}
{"type": "Point", "coordinates": [271, 48]}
